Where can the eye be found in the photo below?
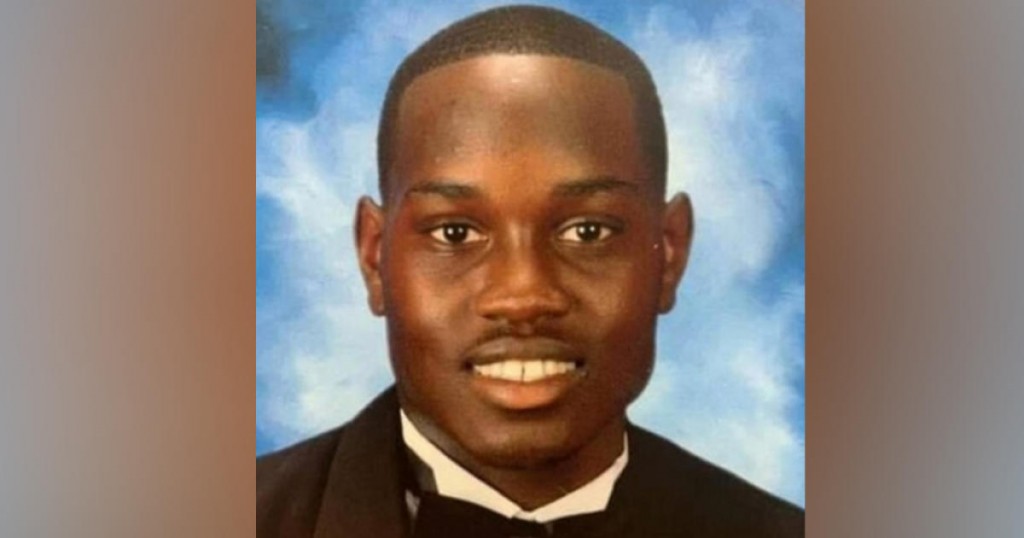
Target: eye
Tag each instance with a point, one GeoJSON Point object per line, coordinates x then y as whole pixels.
{"type": "Point", "coordinates": [586, 232]}
{"type": "Point", "coordinates": [453, 233]}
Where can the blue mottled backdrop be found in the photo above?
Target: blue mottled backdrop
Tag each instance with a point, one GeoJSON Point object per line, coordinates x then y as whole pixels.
{"type": "Point", "coordinates": [729, 383]}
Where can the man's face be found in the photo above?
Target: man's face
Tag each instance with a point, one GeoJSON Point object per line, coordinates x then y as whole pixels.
{"type": "Point", "coordinates": [522, 257]}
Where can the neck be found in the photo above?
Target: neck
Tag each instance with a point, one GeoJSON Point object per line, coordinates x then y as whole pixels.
{"type": "Point", "coordinates": [539, 483]}
{"type": "Point", "coordinates": [533, 487]}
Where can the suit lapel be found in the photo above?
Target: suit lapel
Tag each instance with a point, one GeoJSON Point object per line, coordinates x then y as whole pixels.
{"type": "Point", "coordinates": [640, 505]}
{"type": "Point", "coordinates": [364, 496]}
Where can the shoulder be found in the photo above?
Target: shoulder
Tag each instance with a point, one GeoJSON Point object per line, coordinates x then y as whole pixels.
{"type": "Point", "coordinates": [351, 469]}
{"type": "Point", "coordinates": [681, 489]}
{"type": "Point", "coordinates": [290, 485]}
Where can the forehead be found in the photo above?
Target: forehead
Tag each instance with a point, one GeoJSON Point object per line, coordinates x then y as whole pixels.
{"type": "Point", "coordinates": [498, 110]}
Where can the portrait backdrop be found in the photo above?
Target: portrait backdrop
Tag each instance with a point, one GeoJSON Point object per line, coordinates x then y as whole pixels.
{"type": "Point", "coordinates": [729, 377]}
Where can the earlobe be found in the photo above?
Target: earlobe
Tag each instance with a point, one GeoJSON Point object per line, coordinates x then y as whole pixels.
{"type": "Point", "coordinates": [677, 235]}
{"type": "Point", "coordinates": [369, 228]}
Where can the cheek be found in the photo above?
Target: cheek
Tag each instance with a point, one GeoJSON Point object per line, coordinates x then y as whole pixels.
{"type": "Point", "coordinates": [623, 291]}
{"type": "Point", "coordinates": [415, 310]}
{"type": "Point", "coordinates": [621, 307]}
{"type": "Point", "coordinates": [423, 310]}
{"type": "Point", "coordinates": [420, 345]}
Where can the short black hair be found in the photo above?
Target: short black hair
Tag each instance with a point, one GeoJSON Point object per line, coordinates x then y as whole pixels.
{"type": "Point", "coordinates": [525, 29]}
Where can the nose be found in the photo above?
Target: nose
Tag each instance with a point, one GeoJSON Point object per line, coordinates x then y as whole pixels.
{"type": "Point", "coordinates": [522, 287]}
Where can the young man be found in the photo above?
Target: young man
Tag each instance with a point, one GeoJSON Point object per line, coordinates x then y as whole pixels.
{"type": "Point", "coordinates": [520, 255]}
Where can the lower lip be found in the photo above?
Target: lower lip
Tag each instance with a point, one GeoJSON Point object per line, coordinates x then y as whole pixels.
{"type": "Point", "coordinates": [517, 396]}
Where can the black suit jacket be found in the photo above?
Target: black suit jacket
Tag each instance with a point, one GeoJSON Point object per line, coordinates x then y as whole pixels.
{"type": "Point", "coordinates": [350, 483]}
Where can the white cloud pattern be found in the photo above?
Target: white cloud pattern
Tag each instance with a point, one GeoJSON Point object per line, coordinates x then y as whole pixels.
{"type": "Point", "coordinates": [728, 385]}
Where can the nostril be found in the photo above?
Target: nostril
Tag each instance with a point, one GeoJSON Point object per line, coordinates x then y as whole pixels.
{"type": "Point", "coordinates": [522, 311]}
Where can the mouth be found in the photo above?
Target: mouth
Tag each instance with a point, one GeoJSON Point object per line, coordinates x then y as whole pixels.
{"type": "Point", "coordinates": [524, 370]}
{"type": "Point", "coordinates": [518, 374]}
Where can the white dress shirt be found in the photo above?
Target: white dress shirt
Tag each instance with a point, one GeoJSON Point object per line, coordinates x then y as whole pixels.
{"type": "Point", "coordinates": [454, 481]}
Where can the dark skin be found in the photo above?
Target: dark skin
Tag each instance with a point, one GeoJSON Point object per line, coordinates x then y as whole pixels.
{"type": "Point", "coordinates": [521, 224]}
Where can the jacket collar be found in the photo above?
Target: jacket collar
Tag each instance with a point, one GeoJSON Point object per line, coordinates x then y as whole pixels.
{"type": "Point", "coordinates": [364, 496]}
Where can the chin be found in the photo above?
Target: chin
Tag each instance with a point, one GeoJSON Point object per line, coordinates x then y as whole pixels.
{"type": "Point", "coordinates": [524, 458]}
{"type": "Point", "coordinates": [529, 450]}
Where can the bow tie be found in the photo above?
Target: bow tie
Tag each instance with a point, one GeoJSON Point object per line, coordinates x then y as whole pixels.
{"type": "Point", "coordinates": [444, 517]}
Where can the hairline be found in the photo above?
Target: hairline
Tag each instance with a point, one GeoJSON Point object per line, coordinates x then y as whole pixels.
{"type": "Point", "coordinates": [399, 101]}
{"type": "Point", "coordinates": [530, 30]}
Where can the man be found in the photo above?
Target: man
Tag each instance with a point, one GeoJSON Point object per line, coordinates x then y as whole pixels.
{"type": "Point", "coordinates": [520, 255]}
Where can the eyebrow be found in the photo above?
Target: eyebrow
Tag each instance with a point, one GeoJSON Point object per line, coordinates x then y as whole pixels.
{"type": "Point", "coordinates": [595, 185]}
{"type": "Point", "coordinates": [582, 187]}
{"type": "Point", "coordinates": [444, 188]}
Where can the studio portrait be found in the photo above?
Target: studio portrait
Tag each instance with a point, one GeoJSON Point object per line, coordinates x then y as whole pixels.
{"type": "Point", "coordinates": [530, 270]}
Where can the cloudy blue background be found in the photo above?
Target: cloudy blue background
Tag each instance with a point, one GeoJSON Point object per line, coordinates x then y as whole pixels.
{"type": "Point", "coordinates": [729, 384]}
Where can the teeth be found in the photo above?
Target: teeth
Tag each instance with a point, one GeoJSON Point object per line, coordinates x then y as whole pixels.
{"type": "Point", "coordinates": [533, 371]}
{"type": "Point", "coordinates": [524, 371]}
{"type": "Point", "coordinates": [512, 370]}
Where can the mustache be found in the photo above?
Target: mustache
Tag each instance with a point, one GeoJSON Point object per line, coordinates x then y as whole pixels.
{"type": "Point", "coordinates": [507, 331]}
{"type": "Point", "coordinates": [501, 343]}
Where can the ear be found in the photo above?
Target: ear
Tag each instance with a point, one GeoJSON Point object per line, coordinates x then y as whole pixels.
{"type": "Point", "coordinates": [677, 235]}
{"type": "Point", "coordinates": [369, 235]}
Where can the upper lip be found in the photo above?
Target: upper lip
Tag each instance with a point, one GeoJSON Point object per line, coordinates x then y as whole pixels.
{"type": "Point", "coordinates": [533, 348]}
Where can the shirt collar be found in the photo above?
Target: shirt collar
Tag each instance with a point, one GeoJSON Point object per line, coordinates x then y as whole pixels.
{"type": "Point", "coordinates": [454, 481]}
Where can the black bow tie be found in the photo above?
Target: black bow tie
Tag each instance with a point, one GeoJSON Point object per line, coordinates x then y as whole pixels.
{"type": "Point", "coordinates": [444, 517]}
